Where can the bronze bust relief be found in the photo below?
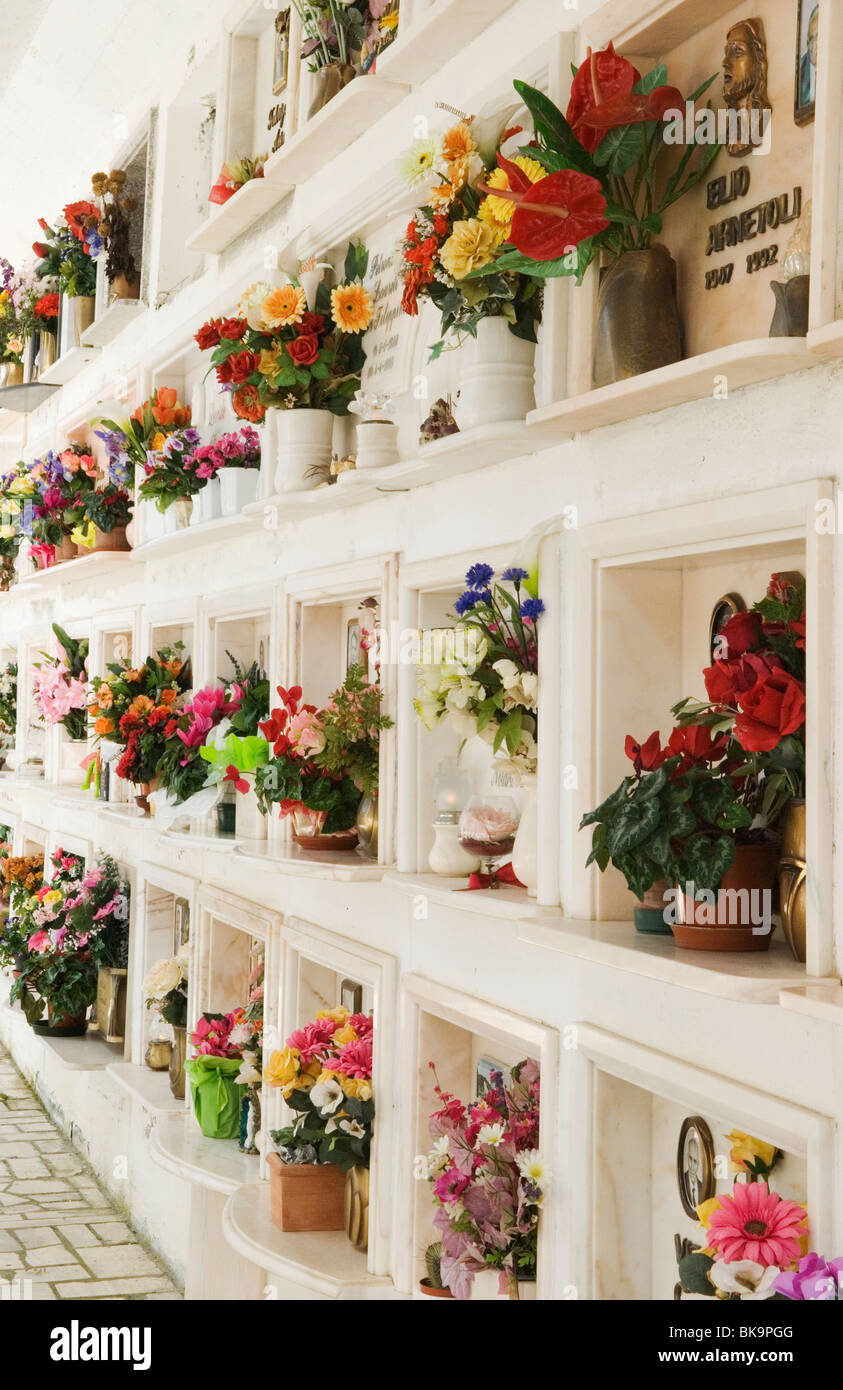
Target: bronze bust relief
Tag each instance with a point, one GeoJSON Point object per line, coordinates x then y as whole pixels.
{"type": "Point", "coordinates": [745, 86]}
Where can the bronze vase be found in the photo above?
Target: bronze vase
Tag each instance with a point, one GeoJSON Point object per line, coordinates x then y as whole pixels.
{"type": "Point", "coordinates": [329, 81]}
{"type": "Point", "coordinates": [177, 1057]}
{"type": "Point", "coordinates": [638, 324]}
{"type": "Point", "coordinates": [790, 319]}
{"type": "Point", "coordinates": [13, 374]}
{"type": "Point", "coordinates": [357, 1206]}
{"type": "Point", "coordinates": [793, 879]}
{"type": "Point", "coordinates": [81, 307]}
{"type": "Point", "coordinates": [47, 350]}
{"type": "Point", "coordinates": [122, 288]}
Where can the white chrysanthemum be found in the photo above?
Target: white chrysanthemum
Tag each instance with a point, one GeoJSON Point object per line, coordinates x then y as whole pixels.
{"type": "Point", "coordinates": [417, 164]}
{"type": "Point", "coordinates": [490, 1134]}
{"type": "Point", "coordinates": [531, 1166]}
{"type": "Point", "coordinates": [249, 307]}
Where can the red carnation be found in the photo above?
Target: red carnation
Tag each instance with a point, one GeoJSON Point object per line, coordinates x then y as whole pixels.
{"type": "Point", "coordinates": [304, 350]}
{"type": "Point", "coordinates": [209, 334]}
{"type": "Point", "coordinates": [770, 711]}
{"type": "Point", "coordinates": [47, 307]}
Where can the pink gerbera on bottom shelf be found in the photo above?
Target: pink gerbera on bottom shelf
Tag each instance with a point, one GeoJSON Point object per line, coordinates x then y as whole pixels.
{"type": "Point", "coordinates": [756, 1224]}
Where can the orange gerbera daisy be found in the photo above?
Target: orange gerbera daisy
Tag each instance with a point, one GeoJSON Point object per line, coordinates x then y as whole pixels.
{"type": "Point", "coordinates": [284, 306]}
{"type": "Point", "coordinates": [351, 308]}
{"type": "Point", "coordinates": [458, 143]}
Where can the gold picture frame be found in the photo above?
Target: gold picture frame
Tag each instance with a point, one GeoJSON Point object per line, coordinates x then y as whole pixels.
{"type": "Point", "coordinates": [695, 1176]}
{"type": "Point", "coordinates": [726, 607]}
{"type": "Point", "coordinates": [807, 39]}
{"type": "Point", "coordinates": [281, 52]}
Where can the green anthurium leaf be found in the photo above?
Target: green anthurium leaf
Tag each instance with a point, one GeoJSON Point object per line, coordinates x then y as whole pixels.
{"type": "Point", "coordinates": [657, 77]}
{"type": "Point", "coordinates": [620, 149]}
{"type": "Point", "coordinates": [553, 129]}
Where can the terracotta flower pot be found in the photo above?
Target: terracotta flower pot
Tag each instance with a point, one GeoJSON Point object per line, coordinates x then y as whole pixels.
{"type": "Point", "coordinates": [66, 551]}
{"type": "Point", "coordinates": [112, 540]}
{"type": "Point", "coordinates": [428, 1291]}
{"type": "Point", "coordinates": [752, 874]}
{"type": "Point", "coordinates": [638, 324]}
{"type": "Point", "coordinates": [306, 1196]}
{"type": "Point", "coordinates": [121, 288]}
{"type": "Point", "coordinates": [62, 1025]}
{"type": "Point", "coordinates": [793, 887]}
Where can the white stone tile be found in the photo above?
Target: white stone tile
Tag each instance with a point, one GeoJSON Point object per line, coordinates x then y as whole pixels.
{"type": "Point", "coordinates": [40, 1255]}
{"type": "Point", "coordinates": [35, 1236]}
{"type": "Point", "coordinates": [113, 1288]}
{"type": "Point", "coordinates": [28, 1168]}
{"type": "Point", "coordinates": [111, 1232]}
{"type": "Point", "coordinates": [79, 1236]}
{"type": "Point", "coordinates": [116, 1261]}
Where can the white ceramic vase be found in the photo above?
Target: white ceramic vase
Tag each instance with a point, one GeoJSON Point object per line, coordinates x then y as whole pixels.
{"type": "Point", "coordinates": [447, 857]}
{"type": "Point", "coordinates": [207, 505]}
{"type": "Point", "coordinates": [238, 487]}
{"type": "Point", "coordinates": [153, 522]}
{"type": "Point", "coordinates": [497, 376]}
{"type": "Point", "coordinates": [250, 823]}
{"type": "Point", "coordinates": [525, 857]}
{"type": "Point", "coordinates": [377, 444]}
{"type": "Point", "coordinates": [304, 439]}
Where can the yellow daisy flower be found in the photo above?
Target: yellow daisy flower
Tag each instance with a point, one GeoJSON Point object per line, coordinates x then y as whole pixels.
{"type": "Point", "coordinates": [284, 306]}
{"type": "Point", "coordinates": [351, 308]}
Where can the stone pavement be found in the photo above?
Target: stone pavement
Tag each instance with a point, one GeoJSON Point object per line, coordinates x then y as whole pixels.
{"type": "Point", "coordinates": [60, 1237]}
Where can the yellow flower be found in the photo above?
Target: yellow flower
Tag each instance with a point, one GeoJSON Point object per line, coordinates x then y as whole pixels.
{"type": "Point", "coordinates": [351, 308]}
{"type": "Point", "coordinates": [7, 532]}
{"type": "Point", "coordinates": [502, 210]}
{"type": "Point", "coordinates": [499, 230]}
{"type": "Point", "coordinates": [84, 535]}
{"type": "Point", "coordinates": [10, 507]}
{"type": "Point", "coordinates": [22, 487]}
{"type": "Point", "coordinates": [357, 1087]}
{"type": "Point", "coordinates": [159, 439]}
{"type": "Point", "coordinates": [339, 1014]}
{"type": "Point", "coordinates": [268, 364]}
{"type": "Point", "coordinates": [747, 1150]}
{"type": "Point", "coordinates": [470, 245]}
{"type": "Point", "coordinates": [282, 1068]}
{"type": "Point", "coordinates": [389, 21]}
{"type": "Point", "coordinates": [705, 1210]}
{"type": "Point", "coordinates": [442, 195]}
{"type": "Point", "coordinates": [345, 1035]}
{"type": "Point", "coordinates": [284, 306]}
{"type": "Point", "coordinates": [54, 896]}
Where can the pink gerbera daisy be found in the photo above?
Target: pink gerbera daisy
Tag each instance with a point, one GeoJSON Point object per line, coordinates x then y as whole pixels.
{"type": "Point", "coordinates": [756, 1224]}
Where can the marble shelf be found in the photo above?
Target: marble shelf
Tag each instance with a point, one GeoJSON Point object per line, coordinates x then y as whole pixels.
{"type": "Point", "coordinates": [69, 365]}
{"type": "Point", "coordinates": [226, 222]}
{"type": "Point", "coordinates": [179, 1146]}
{"type": "Point", "coordinates": [119, 314]}
{"type": "Point", "coordinates": [417, 53]}
{"type": "Point", "coordinates": [348, 867]}
{"type": "Point", "coordinates": [327, 134]}
{"type": "Point", "coordinates": [506, 901]}
{"type": "Point", "coordinates": [693, 379]}
{"type": "Point", "coordinates": [151, 1088]}
{"type": "Point", "coordinates": [90, 1053]}
{"type": "Point", "coordinates": [83, 567]}
{"type": "Point", "coordinates": [321, 1262]}
{"type": "Point", "coordinates": [816, 999]}
{"type": "Point", "coordinates": [756, 977]}
{"type": "Point", "coordinates": [826, 342]}
{"type": "Point", "coordinates": [222, 529]}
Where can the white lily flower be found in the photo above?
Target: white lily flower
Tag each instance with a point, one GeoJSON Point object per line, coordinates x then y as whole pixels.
{"type": "Point", "coordinates": [751, 1281]}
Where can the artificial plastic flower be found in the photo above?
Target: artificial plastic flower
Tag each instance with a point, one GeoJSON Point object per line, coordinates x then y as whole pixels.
{"type": "Point", "coordinates": [752, 1223]}
{"type": "Point", "coordinates": [749, 1280]}
{"type": "Point", "coordinates": [814, 1280]}
{"type": "Point", "coordinates": [351, 307]}
{"type": "Point", "coordinates": [284, 306]}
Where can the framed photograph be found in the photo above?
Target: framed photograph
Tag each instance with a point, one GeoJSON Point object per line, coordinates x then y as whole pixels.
{"type": "Point", "coordinates": [724, 609]}
{"type": "Point", "coordinates": [351, 996]}
{"type": "Point", "coordinates": [353, 650]}
{"type": "Point", "coordinates": [695, 1165]}
{"type": "Point", "coordinates": [483, 1078]}
{"type": "Point", "coordinates": [281, 55]}
{"type": "Point", "coordinates": [807, 36]}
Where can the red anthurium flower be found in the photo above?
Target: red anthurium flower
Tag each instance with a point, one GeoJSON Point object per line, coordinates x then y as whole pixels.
{"type": "Point", "coordinates": [555, 214]}
{"type": "Point", "coordinates": [632, 107]}
{"type": "Point", "coordinates": [648, 756]}
{"type": "Point", "coordinates": [771, 710]}
{"type": "Point", "coordinates": [232, 774]}
{"type": "Point", "coordinates": [601, 77]}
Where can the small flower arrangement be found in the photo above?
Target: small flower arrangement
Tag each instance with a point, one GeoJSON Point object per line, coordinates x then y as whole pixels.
{"type": "Point", "coordinates": [289, 348]}
{"type": "Point", "coordinates": [11, 334]}
{"type": "Point", "coordinates": [324, 1073]}
{"type": "Point", "coordinates": [133, 706]}
{"type": "Point", "coordinates": [212, 1036]}
{"type": "Point", "coordinates": [323, 760]}
{"type": "Point", "coordinates": [46, 312]}
{"type": "Point", "coordinates": [108, 226]}
{"type": "Point", "coordinates": [459, 230]}
{"type": "Point", "coordinates": [129, 441]}
{"type": "Point", "coordinates": [57, 487]}
{"type": "Point", "coordinates": [336, 32]}
{"type": "Point", "coordinates": [169, 469]}
{"type": "Point", "coordinates": [486, 683]}
{"type": "Point", "coordinates": [24, 872]}
{"type": "Point", "coordinates": [214, 715]}
{"type": "Point", "coordinates": [237, 449]}
{"type": "Point", "coordinates": [65, 256]}
{"type": "Point", "coordinates": [165, 988]}
{"type": "Point", "coordinates": [108, 508]}
{"type": "Point", "coordinates": [9, 699]}
{"type": "Point", "coordinates": [234, 174]}
{"type": "Point", "coordinates": [489, 1181]}
{"type": "Point", "coordinates": [61, 685]}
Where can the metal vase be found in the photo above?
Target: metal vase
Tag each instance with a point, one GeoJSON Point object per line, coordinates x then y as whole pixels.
{"type": "Point", "coordinates": [81, 311]}
{"type": "Point", "coordinates": [177, 1059]}
{"type": "Point", "coordinates": [330, 80]}
{"type": "Point", "coordinates": [793, 879]}
{"type": "Point", "coordinates": [111, 1003]}
{"type": "Point", "coordinates": [638, 324]}
{"type": "Point", "coordinates": [357, 1207]}
{"type": "Point", "coordinates": [47, 350]}
{"type": "Point", "coordinates": [790, 319]}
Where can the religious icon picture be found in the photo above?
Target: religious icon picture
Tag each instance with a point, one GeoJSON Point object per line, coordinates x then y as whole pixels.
{"type": "Point", "coordinates": [724, 609]}
{"type": "Point", "coordinates": [351, 996]}
{"type": "Point", "coordinates": [483, 1078]}
{"type": "Point", "coordinates": [695, 1164]}
{"type": "Point", "coordinates": [807, 31]}
{"type": "Point", "coordinates": [353, 649]}
{"type": "Point", "coordinates": [281, 55]}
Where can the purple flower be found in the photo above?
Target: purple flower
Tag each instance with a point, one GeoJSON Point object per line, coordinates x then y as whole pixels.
{"type": "Point", "coordinates": [815, 1280]}
{"type": "Point", "coordinates": [514, 575]}
{"type": "Point", "coordinates": [478, 576]}
{"type": "Point", "coordinates": [531, 609]}
{"type": "Point", "coordinates": [466, 602]}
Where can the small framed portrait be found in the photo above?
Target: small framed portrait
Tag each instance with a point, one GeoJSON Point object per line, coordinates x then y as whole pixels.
{"type": "Point", "coordinates": [483, 1077]}
{"type": "Point", "coordinates": [281, 54]}
{"type": "Point", "coordinates": [351, 996]}
{"type": "Point", "coordinates": [353, 649]}
{"type": "Point", "coordinates": [695, 1164]}
{"type": "Point", "coordinates": [724, 609]}
{"type": "Point", "coordinates": [807, 37]}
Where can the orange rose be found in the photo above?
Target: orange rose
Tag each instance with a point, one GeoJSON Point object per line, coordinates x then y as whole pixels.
{"type": "Point", "coordinates": [104, 726]}
{"type": "Point", "coordinates": [169, 697]}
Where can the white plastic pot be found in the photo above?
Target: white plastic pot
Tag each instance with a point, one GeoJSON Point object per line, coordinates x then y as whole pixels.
{"type": "Point", "coordinates": [497, 376]}
{"type": "Point", "coordinates": [303, 439]}
{"type": "Point", "coordinates": [238, 487]}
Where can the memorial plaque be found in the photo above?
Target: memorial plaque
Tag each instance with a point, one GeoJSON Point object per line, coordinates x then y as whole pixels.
{"type": "Point", "coordinates": [390, 340]}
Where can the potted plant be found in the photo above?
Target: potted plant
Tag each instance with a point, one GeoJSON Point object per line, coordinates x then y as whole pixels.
{"type": "Point", "coordinates": [323, 762]}
{"type": "Point", "coordinates": [110, 230]}
{"type": "Point", "coordinates": [431, 1286]}
{"type": "Point", "coordinates": [341, 40]}
{"type": "Point", "coordinates": [457, 232]}
{"type": "Point", "coordinates": [45, 316]}
{"type": "Point", "coordinates": [233, 460]}
{"type": "Point", "coordinates": [108, 510]}
{"type": "Point", "coordinates": [138, 442]}
{"type": "Point", "coordinates": [11, 336]}
{"type": "Point", "coordinates": [165, 991]}
{"type": "Point", "coordinates": [325, 1076]}
{"type": "Point", "coordinates": [603, 195]}
{"type": "Point", "coordinates": [489, 1183]}
{"type": "Point", "coordinates": [61, 694]}
{"type": "Point", "coordinates": [234, 174]}
{"type": "Point", "coordinates": [212, 1073]}
{"type": "Point", "coordinates": [296, 351]}
{"type": "Point", "coordinates": [69, 254]}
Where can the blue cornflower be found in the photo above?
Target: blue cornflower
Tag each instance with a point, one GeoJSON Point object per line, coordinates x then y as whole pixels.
{"type": "Point", "coordinates": [478, 576]}
{"type": "Point", "coordinates": [532, 608]}
{"type": "Point", "coordinates": [514, 575]}
{"type": "Point", "coordinates": [466, 602]}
